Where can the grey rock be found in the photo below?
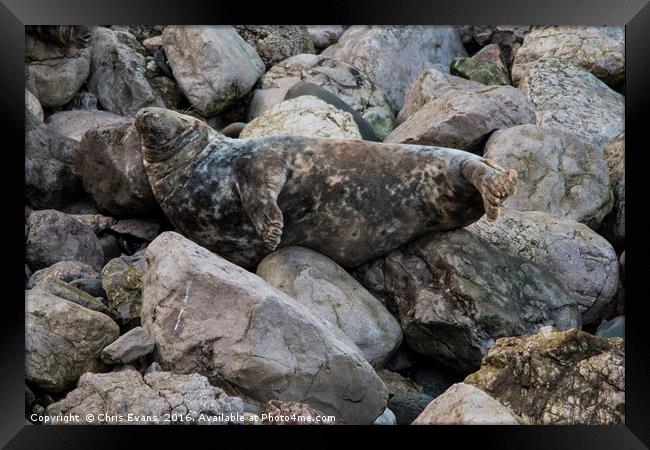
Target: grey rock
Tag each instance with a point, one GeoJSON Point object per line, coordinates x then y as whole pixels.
{"type": "Point", "coordinates": [211, 316]}
{"type": "Point", "coordinates": [68, 292]}
{"type": "Point", "coordinates": [386, 418]}
{"type": "Point", "coordinates": [96, 222]}
{"type": "Point", "coordinates": [486, 72]}
{"type": "Point", "coordinates": [613, 227]}
{"type": "Point", "coordinates": [141, 229]}
{"type": "Point", "coordinates": [408, 406]}
{"type": "Point", "coordinates": [33, 105]}
{"type": "Point", "coordinates": [396, 383]}
{"type": "Point", "coordinates": [74, 124]}
{"type": "Point", "coordinates": [494, 54]}
{"type": "Point", "coordinates": [90, 285]}
{"type": "Point", "coordinates": [324, 35]}
{"type": "Point", "coordinates": [132, 345]}
{"type": "Point", "coordinates": [67, 271]}
{"type": "Point", "coordinates": [122, 282]}
{"type": "Point", "coordinates": [612, 328]}
{"type": "Point", "coordinates": [275, 43]}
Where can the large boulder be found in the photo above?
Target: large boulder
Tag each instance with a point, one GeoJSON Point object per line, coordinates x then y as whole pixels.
{"type": "Point", "coordinates": [54, 73]}
{"type": "Point", "coordinates": [587, 47]}
{"type": "Point", "coordinates": [122, 282]}
{"type": "Point", "coordinates": [50, 180]}
{"type": "Point", "coordinates": [583, 261]}
{"type": "Point", "coordinates": [158, 398]}
{"type": "Point", "coordinates": [571, 99]}
{"type": "Point", "coordinates": [455, 295]}
{"type": "Point", "coordinates": [613, 226]}
{"type": "Point", "coordinates": [429, 85]}
{"type": "Point", "coordinates": [212, 317]}
{"type": "Point", "coordinates": [464, 119]}
{"type": "Point", "coordinates": [345, 81]}
{"type": "Point", "coordinates": [62, 340]}
{"type": "Point", "coordinates": [557, 378]}
{"type": "Point", "coordinates": [213, 65]}
{"type": "Point", "coordinates": [392, 56]}
{"type": "Point", "coordinates": [118, 73]}
{"type": "Point", "coordinates": [109, 163]}
{"type": "Point", "coordinates": [275, 43]}
{"type": "Point", "coordinates": [463, 404]}
{"type": "Point", "coordinates": [558, 172]}
{"type": "Point", "coordinates": [305, 116]}
{"type": "Point", "coordinates": [73, 124]}
{"type": "Point", "coordinates": [54, 236]}
{"type": "Point", "coordinates": [67, 271]}
{"type": "Point", "coordinates": [330, 293]}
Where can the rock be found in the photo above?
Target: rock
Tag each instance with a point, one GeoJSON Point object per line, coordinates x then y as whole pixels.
{"type": "Point", "coordinates": [396, 383]}
{"type": "Point", "coordinates": [345, 81]}
{"type": "Point", "coordinates": [275, 43]}
{"type": "Point", "coordinates": [484, 72]}
{"type": "Point", "coordinates": [614, 224]}
{"type": "Point", "coordinates": [74, 124]}
{"type": "Point", "coordinates": [84, 100]}
{"type": "Point", "coordinates": [109, 163]}
{"type": "Point", "coordinates": [118, 73]}
{"type": "Point", "coordinates": [587, 374]}
{"type": "Point", "coordinates": [589, 48]}
{"type": "Point", "coordinates": [142, 32]}
{"type": "Point", "coordinates": [65, 271]}
{"type": "Point", "coordinates": [62, 340]}
{"type": "Point", "coordinates": [153, 44]}
{"type": "Point", "coordinates": [463, 404]}
{"type": "Point", "coordinates": [612, 328]}
{"type": "Point", "coordinates": [141, 229]}
{"type": "Point", "coordinates": [122, 282]}
{"type": "Point", "coordinates": [404, 357]}
{"type": "Point", "coordinates": [433, 378]}
{"type": "Point", "coordinates": [132, 345]}
{"type": "Point", "coordinates": [68, 292]}
{"type": "Point", "coordinates": [331, 294]}
{"type": "Point", "coordinates": [464, 119]}
{"type": "Point", "coordinates": [392, 56]}
{"type": "Point", "coordinates": [50, 180]}
{"type": "Point", "coordinates": [431, 84]}
{"type": "Point", "coordinates": [455, 295]}
{"type": "Point", "coordinates": [209, 315]}
{"type": "Point", "coordinates": [153, 399]}
{"type": "Point", "coordinates": [54, 74]}
{"type": "Point", "coordinates": [305, 116]}
{"type": "Point", "coordinates": [386, 418]}
{"type": "Point", "coordinates": [505, 36]}
{"type": "Point", "coordinates": [323, 36]}
{"type": "Point", "coordinates": [55, 236]}
{"type": "Point", "coordinates": [276, 412]}
{"type": "Point", "coordinates": [33, 106]}
{"type": "Point", "coordinates": [96, 222]}
{"type": "Point", "coordinates": [493, 53]}
{"type": "Point", "coordinates": [90, 285]}
{"type": "Point", "coordinates": [571, 99]}
{"type": "Point", "coordinates": [583, 261]}
{"type": "Point", "coordinates": [213, 65]}
{"type": "Point", "coordinates": [408, 406]}
{"type": "Point", "coordinates": [558, 172]}
{"type": "Point", "coordinates": [30, 399]}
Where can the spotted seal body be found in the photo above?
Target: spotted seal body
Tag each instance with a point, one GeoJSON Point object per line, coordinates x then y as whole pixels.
{"type": "Point", "coordinates": [350, 200]}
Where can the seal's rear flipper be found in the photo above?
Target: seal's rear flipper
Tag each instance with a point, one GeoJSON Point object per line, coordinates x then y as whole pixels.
{"type": "Point", "coordinates": [494, 183]}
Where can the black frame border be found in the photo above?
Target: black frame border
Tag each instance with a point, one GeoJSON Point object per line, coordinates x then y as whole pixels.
{"type": "Point", "coordinates": [634, 14]}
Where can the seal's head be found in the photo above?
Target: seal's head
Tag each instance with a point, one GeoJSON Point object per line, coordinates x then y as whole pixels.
{"type": "Point", "coordinates": [164, 132]}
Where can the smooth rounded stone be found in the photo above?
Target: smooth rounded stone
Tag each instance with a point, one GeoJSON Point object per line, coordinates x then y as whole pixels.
{"type": "Point", "coordinates": [587, 374]}
{"type": "Point", "coordinates": [324, 35]}
{"type": "Point", "coordinates": [67, 271]}
{"type": "Point", "coordinates": [117, 75]}
{"type": "Point", "coordinates": [122, 282]}
{"type": "Point", "coordinates": [345, 81]}
{"type": "Point", "coordinates": [50, 180]}
{"type": "Point", "coordinates": [331, 294]}
{"type": "Point", "coordinates": [613, 227]}
{"type": "Point", "coordinates": [485, 72]}
{"type": "Point", "coordinates": [386, 418]}
{"type": "Point", "coordinates": [68, 292]}
{"type": "Point", "coordinates": [392, 56]}
{"type": "Point", "coordinates": [96, 222]}
{"type": "Point", "coordinates": [396, 383]}
{"type": "Point", "coordinates": [456, 294]}
{"type": "Point", "coordinates": [148, 400]}
{"type": "Point", "coordinates": [33, 105]}
{"type": "Point", "coordinates": [583, 261]}
{"type": "Point", "coordinates": [74, 124]}
{"type": "Point", "coordinates": [464, 404]}
{"type": "Point", "coordinates": [89, 285]}
{"type": "Point", "coordinates": [55, 236]}
{"type": "Point", "coordinates": [211, 316]}
{"type": "Point", "coordinates": [213, 65]}
{"type": "Point", "coordinates": [571, 99]}
{"type": "Point", "coordinates": [132, 345]}
{"type": "Point", "coordinates": [62, 340]}
{"type": "Point", "coordinates": [305, 116]}
{"type": "Point", "coordinates": [141, 229]}
{"type": "Point", "coordinates": [431, 84]}
{"type": "Point", "coordinates": [109, 163]}
{"type": "Point", "coordinates": [587, 47]}
{"type": "Point", "coordinates": [54, 73]}
{"type": "Point", "coordinates": [408, 406]}
{"type": "Point", "coordinates": [275, 43]}
{"type": "Point", "coordinates": [505, 36]}
{"type": "Point", "coordinates": [612, 328]}
{"type": "Point", "coordinates": [464, 119]}
{"type": "Point", "coordinates": [558, 172]}
{"type": "Point", "coordinates": [277, 412]}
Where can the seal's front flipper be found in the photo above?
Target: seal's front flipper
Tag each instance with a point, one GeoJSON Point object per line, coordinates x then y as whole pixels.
{"type": "Point", "coordinates": [494, 183]}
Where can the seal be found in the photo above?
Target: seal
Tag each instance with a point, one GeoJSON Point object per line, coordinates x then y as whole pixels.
{"type": "Point", "coordinates": [303, 88]}
{"type": "Point", "coordinates": [350, 200]}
